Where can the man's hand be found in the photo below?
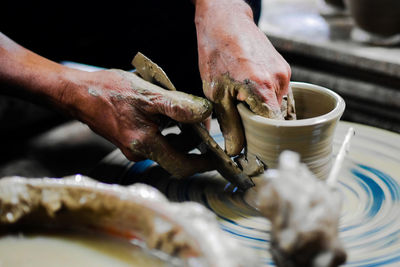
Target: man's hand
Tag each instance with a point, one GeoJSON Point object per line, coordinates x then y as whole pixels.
{"type": "Point", "coordinates": [237, 62]}
{"type": "Point", "coordinates": [127, 110]}
{"type": "Point", "coordinates": [118, 105]}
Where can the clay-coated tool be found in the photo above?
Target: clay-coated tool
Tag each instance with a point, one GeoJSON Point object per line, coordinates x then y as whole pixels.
{"type": "Point", "coordinates": [151, 72]}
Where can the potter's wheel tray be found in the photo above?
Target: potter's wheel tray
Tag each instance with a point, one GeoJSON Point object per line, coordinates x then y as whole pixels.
{"type": "Point", "coordinates": [369, 182]}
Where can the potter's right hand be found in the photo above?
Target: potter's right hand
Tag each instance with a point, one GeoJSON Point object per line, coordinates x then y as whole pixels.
{"type": "Point", "coordinates": [238, 63]}
{"type": "Point", "coordinates": [127, 110]}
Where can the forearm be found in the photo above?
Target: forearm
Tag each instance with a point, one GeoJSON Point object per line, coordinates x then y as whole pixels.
{"type": "Point", "coordinates": [222, 8]}
{"type": "Point", "coordinates": [225, 30]}
{"type": "Point", "coordinates": [31, 76]}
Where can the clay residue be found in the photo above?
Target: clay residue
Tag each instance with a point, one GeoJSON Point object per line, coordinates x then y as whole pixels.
{"type": "Point", "coordinates": [192, 107]}
{"type": "Point", "coordinates": [94, 92]}
{"type": "Point", "coordinates": [151, 72]}
{"type": "Point", "coordinates": [222, 162]}
{"type": "Point", "coordinates": [288, 107]}
{"type": "Point", "coordinates": [219, 160]}
{"type": "Point", "coordinates": [251, 164]}
{"type": "Point", "coordinates": [254, 101]}
{"type": "Point", "coordinates": [75, 248]}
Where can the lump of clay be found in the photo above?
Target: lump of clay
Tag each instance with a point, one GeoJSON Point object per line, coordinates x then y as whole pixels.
{"type": "Point", "coordinates": [304, 214]}
{"type": "Point", "coordinates": [186, 231]}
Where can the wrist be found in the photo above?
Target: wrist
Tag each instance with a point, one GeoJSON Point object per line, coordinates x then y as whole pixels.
{"type": "Point", "coordinates": [74, 91]}
{"type": "Point", "coordinates": [237, 8]}
{"type": "Point", "coordinates": [32, 77]}
{"type": "Point", "coordinates": [28, 75]}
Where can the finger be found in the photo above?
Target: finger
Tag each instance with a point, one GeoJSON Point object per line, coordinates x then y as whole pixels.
{"type": "Point", "coordinates": [283, 83]}
{"type": "Point", "coordinates": [184, 107]}
{"type": "Point", "coordinates": [176, 162]}
{"type": "Point", "coordinates": [231, 125]}
{"type": "Point", "coordinates": [281, 93]}
{"type": "Point", "coordinates": [261, 100]}
{"type": "Point", "coordinates": [177, 105]}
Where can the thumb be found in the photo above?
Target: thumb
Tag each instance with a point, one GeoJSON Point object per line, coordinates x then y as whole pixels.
{"type": "Point", "coordinates": [185, 108]}
{"type": "Point", "coordinates": [176, 162]}
{"type": "Point", "coordinates": [230, 124]}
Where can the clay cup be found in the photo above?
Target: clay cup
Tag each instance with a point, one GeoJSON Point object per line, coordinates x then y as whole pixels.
{"type": "Point", "coordinates": [311, 135]}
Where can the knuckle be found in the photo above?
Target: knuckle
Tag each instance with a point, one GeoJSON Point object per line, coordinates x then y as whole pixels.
{"type": "Point", "coordinates": [282, 76]}
{"type": "Point", "coordinates": [171, 105]}
{"type": "Point", "coordinates": [282, 79]}
{"type": "Point", "coordinates": [175, 109]}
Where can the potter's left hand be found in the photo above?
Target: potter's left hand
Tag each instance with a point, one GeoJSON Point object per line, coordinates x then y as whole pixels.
{"type": "Point", "coordinates": [237, 62]}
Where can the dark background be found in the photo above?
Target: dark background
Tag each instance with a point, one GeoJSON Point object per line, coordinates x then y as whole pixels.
{"type": "Point", "coordinates": [103, 33]}
{"type": "Point", "coordinates": [109, 33]}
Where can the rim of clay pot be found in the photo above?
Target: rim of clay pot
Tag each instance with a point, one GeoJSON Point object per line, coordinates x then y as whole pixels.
{"type": "Point", "coordinates": [137, 211]}
{"type": "Point", "coordinates": [336, 112]}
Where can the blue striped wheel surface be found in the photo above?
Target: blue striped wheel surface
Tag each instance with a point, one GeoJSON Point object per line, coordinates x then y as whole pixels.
{"type": "Point", "coordinates": [369, 182]}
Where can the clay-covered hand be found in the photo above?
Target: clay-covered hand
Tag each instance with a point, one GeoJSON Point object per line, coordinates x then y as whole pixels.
{"type": "Point", "coordinates": [118, 105]}
{"type": "Point", "coordinates": [238, 63]}
{"type": "Point", "coordinates": [128, 110]}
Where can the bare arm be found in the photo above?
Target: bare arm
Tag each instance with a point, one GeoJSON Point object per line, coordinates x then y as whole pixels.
{"type": "Point", "coordinates": [116, 104]}
{"type": "Point", "coordinates": [32, 76]}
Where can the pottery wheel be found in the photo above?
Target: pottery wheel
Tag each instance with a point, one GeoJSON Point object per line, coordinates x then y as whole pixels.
{"type": "Point", "coordinates": [369, 182]}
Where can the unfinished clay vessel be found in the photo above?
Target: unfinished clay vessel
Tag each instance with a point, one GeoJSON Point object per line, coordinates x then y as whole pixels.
{"type": "Point", "coordinates": [376, 17]}
{"type": "Point", "coordinates": [318, 111]}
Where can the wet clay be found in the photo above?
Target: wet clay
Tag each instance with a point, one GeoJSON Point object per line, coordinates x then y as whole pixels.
{"type": "Point", "coordinates": [185, 230]}
{"type": "Point", "coordinates": [198, 107]}
{"type": "Point", "coordinates": [304, 213]}
{"type": "Point", "coordinates": [245, 88]}
{"type": "Point", "coordinates": [224, 92]}
{"type": "Point", "coordinates": [151, 72]}
{"type": "Point", "coordinates": [288, 107]}
{"type": "Point", "coordinates": [256, 105]}
{"type": "Point", "coordinates": [72, 249]}
{"type": "Point", "coordinates": [152, 106]}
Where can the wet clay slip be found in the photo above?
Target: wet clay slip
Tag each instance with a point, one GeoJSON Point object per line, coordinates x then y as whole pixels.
{"type": "Point", "coordinates": [318, 111]}
{"type": "Point", "coordinates": [185, 232]}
